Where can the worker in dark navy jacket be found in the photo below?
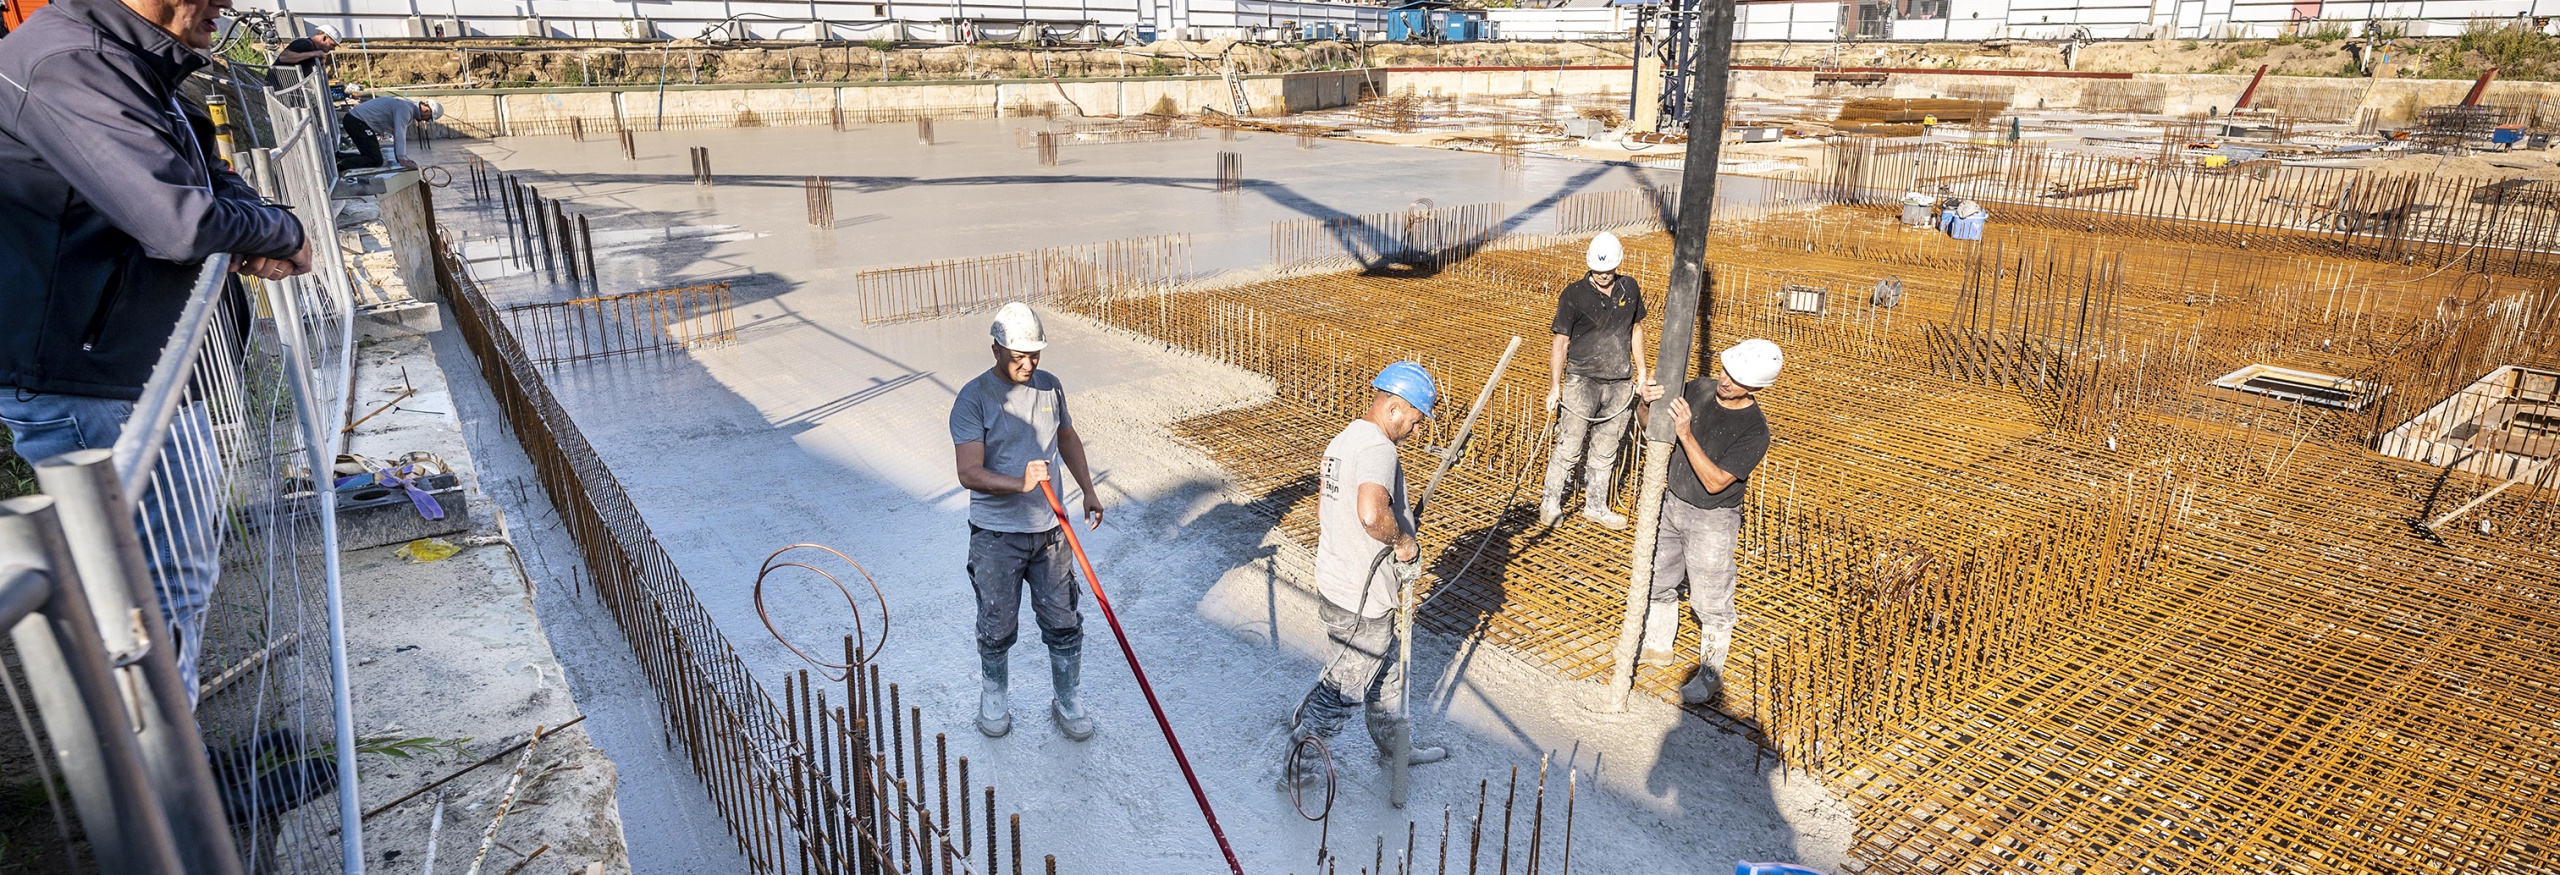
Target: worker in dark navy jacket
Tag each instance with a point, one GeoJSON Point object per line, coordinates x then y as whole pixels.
{"type": "Point", "coordinates": [112, 196]}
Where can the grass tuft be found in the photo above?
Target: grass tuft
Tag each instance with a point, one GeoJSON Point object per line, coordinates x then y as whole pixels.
{"type": "Point", "coordinates": [16, 478]}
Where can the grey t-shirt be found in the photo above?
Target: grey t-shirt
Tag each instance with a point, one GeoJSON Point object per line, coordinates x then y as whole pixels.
{"type": "Point", "coordinates": [1019, 424]}
{"type": "Point", "coordinates": [1344, 550]}
{"type": "Point", "coordinates": [391, 118]}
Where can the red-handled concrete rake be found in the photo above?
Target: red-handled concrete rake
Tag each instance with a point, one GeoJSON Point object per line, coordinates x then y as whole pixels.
{"type": "Point", "coordinates": [1068, 525]}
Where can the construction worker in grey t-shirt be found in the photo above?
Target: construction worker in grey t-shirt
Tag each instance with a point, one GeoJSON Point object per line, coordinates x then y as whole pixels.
{"type": "Point", "coordinates": [1592, 372]}
{"type": "Point", "coordinates": [371, 123]}
{"type": "Point", "coordinates": [1365, 553]}
{"type": "Point", "coordinates": [1009, 427]}
{"type": "Point", "coordinates": [1722, 436]}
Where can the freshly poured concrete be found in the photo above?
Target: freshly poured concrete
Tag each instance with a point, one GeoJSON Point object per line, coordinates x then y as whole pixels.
{"type": "Point", "coordinates": [813, 427]}
{"type": "Point", "coordinates": [975, 193]}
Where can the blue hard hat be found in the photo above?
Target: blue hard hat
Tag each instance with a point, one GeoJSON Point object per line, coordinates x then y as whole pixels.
{"type": "Point", "coordinates": [1410, 382]}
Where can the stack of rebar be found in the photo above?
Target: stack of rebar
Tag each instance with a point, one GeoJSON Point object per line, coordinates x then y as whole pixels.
{"type": "Point", "coordinates": [821, 194]}
{"type": "Point", "coordinates": [1230, 171]}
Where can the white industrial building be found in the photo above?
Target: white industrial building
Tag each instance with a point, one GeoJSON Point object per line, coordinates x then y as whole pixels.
{"type": "Point", "coordinates": [1285, 20]}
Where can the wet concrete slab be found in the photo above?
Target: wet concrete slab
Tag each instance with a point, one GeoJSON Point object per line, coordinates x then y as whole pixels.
{"type": "Point", "coordinates": [976, 192]}
{"type": "Point", "coordinates": [813, 426]}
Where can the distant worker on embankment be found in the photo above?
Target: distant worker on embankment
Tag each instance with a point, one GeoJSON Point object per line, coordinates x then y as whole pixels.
{"type": "Point", "coordinates": [1365, 552]}
{"type": "Point", "coordinates": [1592, 372]}
{"type": "Point", "coordinates": [1723, 435]}
{"type": "Point", "coordinates": [1006, 426]}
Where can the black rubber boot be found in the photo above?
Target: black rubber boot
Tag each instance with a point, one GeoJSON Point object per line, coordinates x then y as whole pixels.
{"type": "Point", "coordinates": [1065, 673]}
{"type": "Point", "coordinates": [994, 720]}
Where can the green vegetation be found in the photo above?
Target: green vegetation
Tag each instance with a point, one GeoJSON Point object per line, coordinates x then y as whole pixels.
{"type": "Point", "coordinates": [880, 44]}
{"type": "Point", "coordinates": [2313, 33]}
{"type": "Point", "coordinates": [2514, 50]}
{"type": "Point", "coordinates": [245, 52]}
{"type": "Point", "coordinates": [2250, 50]}
{"type": "Point", "coordinates": [16, 478]}
{"type": "Point", "coordinates": [2188, 46]}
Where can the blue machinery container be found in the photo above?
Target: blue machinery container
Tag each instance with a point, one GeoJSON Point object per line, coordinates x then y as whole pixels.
{"type": "Point", "coordinates": [1427, 22]}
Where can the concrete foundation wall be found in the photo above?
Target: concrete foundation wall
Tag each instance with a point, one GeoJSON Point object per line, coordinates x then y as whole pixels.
{"type": "Point", "coordinates": [2393, 101]}
{"type": "Point", "coordinates": [533, 112]}
{"type": "Point", "coordinates": [525, 112]}
{"type": "Point", "coordinates": [1506, 81]}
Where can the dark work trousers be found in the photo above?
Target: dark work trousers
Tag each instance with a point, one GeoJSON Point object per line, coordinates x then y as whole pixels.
{"type": "Point", "coordinates": [1361, 672]}
{"type": "Point", "coordinates": [368, 151]}
{"type": "Point", "coordinates": [1001, 564]}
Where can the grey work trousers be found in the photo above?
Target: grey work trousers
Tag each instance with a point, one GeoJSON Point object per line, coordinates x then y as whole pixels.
{"type": "Point", "coordinates": [1001, 566]}
{"type": "Point", "coordinates": [1696, 544]}
{"type": "Point", "coordinates": [1360, 670]}
{"type": "Point", "coordinates": [1586, 400]}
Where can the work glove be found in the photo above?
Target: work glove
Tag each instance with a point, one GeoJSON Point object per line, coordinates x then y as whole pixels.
{"type": "Point", "coordinates": [1405, 572]}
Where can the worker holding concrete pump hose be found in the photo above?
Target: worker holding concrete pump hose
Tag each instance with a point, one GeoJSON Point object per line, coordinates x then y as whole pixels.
{"type": "Point", "coordinates": [1365, 552]}
{"type": "Point", "coordinates": [1592, 372]}
{"type": "Point", "coordinates": [1006, 427]}
{"type": "Point", "coordinates": [1722, 435]}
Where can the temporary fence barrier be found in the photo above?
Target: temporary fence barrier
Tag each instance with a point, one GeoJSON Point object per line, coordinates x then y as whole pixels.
{"type": "Point", "coordinates": [202, 548]}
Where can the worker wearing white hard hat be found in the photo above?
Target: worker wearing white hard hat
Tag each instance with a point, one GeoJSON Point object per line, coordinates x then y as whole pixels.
{"type": "Point", "coordinates": [1010, 430]}
{"type": "Point", "coordinates": [379, 128]}
{"type": "Point", "coordinates": [305, 56]}
{"type": "Point", "coordinates": [1723, 435]}
{"type": "Point", "coordinates": [1592, 372]}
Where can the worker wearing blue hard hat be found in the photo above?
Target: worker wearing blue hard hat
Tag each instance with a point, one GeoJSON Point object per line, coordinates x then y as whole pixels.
{"type": "Point", "coordinates": [1365, 553]}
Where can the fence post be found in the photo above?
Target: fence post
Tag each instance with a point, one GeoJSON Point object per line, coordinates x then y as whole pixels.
{"type": "Point", "coordinates": [99, 529]}
{"type": "Point", "coordinates": [77, 693]}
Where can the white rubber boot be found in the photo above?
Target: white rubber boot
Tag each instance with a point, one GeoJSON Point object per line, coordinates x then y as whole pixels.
{"type": "Point", "coordinates": [1661, 628]}
{"type": "Point", "coordinates": [1595, 501]}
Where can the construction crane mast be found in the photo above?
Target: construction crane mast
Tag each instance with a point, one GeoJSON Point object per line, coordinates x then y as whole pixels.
{"type": "Point", "coordinates": [1666, 48]}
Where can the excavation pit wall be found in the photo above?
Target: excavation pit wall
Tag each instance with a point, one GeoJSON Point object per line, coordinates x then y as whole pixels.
{"type": "Point", "coordinates": [498, 112]}
{"type": "Point", "coordinates": [2392, 101]}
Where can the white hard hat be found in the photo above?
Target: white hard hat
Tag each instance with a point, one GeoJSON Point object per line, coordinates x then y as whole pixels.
{"type": "Point", "coordinates": [1754, 363]}
{"type": "Point", "coordinates": [433, 109]}
{"type": "Point", "coordinates": [1017, 328]}
{"type": "Point", "coordinates": [324, 30]}
{"type": "Point", "coordinates": [1605, 252]}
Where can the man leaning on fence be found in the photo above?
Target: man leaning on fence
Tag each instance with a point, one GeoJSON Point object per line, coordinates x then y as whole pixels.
{"type": "Point", "coordinates": [112, 195]}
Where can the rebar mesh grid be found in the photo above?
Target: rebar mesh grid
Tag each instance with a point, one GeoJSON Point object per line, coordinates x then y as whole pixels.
{"type": "Point", "coordinates": [2112, 618]}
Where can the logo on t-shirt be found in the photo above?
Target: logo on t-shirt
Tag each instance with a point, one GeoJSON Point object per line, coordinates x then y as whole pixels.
{"type": "Point", "coordinates": [1332, 479]}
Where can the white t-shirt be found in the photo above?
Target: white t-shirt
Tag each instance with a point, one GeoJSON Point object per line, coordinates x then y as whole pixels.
{"type": "Point", "coordinates": [1360, 454]}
